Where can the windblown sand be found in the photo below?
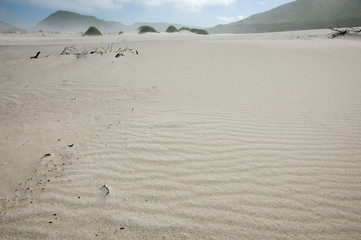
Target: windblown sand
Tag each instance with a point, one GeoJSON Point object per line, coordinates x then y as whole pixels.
{"type": "Point", "coordinates": [198, 137]}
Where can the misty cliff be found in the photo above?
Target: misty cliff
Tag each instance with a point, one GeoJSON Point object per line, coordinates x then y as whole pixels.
{"type": "Point", "coordinates": [299, 15]}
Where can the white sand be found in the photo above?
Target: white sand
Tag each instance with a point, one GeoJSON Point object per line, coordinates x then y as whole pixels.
{"type": "Point", "coordinates": [254, 136]}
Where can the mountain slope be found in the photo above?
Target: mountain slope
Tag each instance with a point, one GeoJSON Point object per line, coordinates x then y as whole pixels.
{"type": "Point", "coordinates": [5, 26]}
{"type": "Point", "coordinates": [63, 21]}
{"type": "Point", "coordinates": [299, 15]}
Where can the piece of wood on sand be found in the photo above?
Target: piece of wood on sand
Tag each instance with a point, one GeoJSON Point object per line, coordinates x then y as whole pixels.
{"type": "Point", "coordinates": [36, 56]}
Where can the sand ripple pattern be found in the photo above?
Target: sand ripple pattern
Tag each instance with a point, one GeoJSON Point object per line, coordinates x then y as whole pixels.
{"type": "Point", "coordinates": [222, 163]}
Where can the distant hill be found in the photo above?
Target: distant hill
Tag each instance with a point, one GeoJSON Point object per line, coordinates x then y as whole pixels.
{"type": "Point", "coordinates": [63, 21]}
{"type": "Point", "coordinates": [5, 26]}
{"type": "Point", "coordinates": [299, 15]}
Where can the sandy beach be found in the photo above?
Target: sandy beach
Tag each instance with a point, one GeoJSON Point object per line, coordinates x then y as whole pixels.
{"type": "Point", "coordinates": [250, 136]}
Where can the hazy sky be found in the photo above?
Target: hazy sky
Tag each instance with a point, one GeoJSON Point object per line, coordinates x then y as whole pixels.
{"type": "Point", "coordinates": [203, 13]}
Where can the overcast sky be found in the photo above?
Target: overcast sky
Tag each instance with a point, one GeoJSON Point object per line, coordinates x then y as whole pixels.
{"type": "Point", "coordinates": [203, 13]}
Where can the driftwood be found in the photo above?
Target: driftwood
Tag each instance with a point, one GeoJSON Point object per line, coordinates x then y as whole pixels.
{"type": "Point", "coordinates": [72, 50]}
{"type": "Point", "coordinates": [106, 188]}
{"type": "Point", "coordinates": [343, 31]}
{"type": "Point", "coordinates": [123, 51]}
{"type": "Point", "coordinates": [36, 56]}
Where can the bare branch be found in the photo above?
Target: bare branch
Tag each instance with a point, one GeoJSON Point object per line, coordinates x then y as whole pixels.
{"type": "Point", "coordinates": [72, 50]}
{"type": "Point", "coordinates": [343, 31]}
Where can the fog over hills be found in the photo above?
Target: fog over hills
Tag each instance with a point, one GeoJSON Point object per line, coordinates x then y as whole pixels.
{"type": "Point", "coordinates": [299, 15]}
{"type": "Point", "coordinates": [64, 21]}
{"type": "Point", "coordinates": [162, 27]}
{"type": "Point", "coordinates": [5, 26]}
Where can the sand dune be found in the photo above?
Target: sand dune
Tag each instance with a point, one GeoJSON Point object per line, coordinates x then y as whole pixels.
{"type": "Point", "coordinates": [197, 137]}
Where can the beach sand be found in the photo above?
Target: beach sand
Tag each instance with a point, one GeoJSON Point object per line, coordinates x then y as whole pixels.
{"type": "Point", "coordinates": [254, 136]}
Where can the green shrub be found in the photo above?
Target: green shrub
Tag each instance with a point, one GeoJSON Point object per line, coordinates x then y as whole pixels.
{"type": "Point", "coordinates": [145, 29]}
{"type": "Point", "coordinates": [171, 29]}
{"type": "Point", "coordinates": [184, 29]}
{"type": "Point", "coordinates": [92, 31]}
{"type": "Point", "coordinates": [195, 30]}
{"type": "Point", "coordinates": [201, 31]}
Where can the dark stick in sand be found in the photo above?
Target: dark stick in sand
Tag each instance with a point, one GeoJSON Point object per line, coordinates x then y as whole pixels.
{"type": "Point", "coordinates": [36, 56]}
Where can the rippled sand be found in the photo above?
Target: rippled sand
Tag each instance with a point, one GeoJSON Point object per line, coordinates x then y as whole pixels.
{"type": "Point", "coordinates": [197, 137]}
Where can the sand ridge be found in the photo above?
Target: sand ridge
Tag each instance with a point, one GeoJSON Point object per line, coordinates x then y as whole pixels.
{"type": "Point", "coordinates": [217, 137]}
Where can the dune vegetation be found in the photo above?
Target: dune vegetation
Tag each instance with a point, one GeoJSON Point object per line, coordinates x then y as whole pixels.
{"type": "Point", "coordinates": [195, 30]}
{"type": "Point", "coordinates": [145, 29]}
{"type": "Point", "coordinates": [171, 29]}
{"type": "Point", "coordinates": [92, 31]}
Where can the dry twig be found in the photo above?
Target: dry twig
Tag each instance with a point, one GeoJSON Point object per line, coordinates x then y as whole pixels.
{"type": "Point", "coordinates": [107, 189]}
{"type": "Point", "coordinates": [72, 50]}
{"type": "Point", "coordinates": [343, 31]}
